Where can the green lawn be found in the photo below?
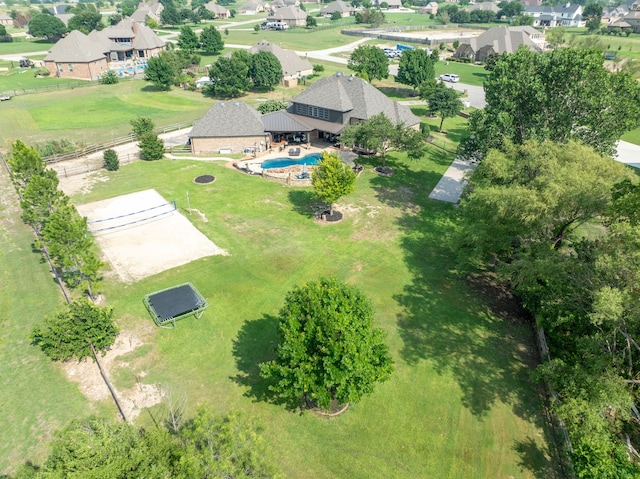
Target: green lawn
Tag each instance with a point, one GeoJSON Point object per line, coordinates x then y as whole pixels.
{"type": "Point", "coordinates": [461, 402]}
{"type": "Point", "coordinates": [470, 74]}
{"type": "Point", "coordinates": [632, 136]}
{"type": "Point", "coordinates": [35, 395]}
{"type": "Point", "coordinates": [24, 79]}
{"type": "Point", "coordinates": [24, 46]}
{"type": "Point", "coordinates": [95, 113]}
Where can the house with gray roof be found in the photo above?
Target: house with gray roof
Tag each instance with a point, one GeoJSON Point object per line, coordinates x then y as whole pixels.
{"type": "Point", "coordinates": [6, 20]}
{"type": "Point", "coordinates": [343, 8]}
{"type": "Point", "coordinates": [283, 3]}
{"type": "Point", "coordinates": [78, 55]}
{"type": "Point", "coordinates": [252, 7]}
{"type": "Point", "coordinates": [218, 11]}
{"type": "Point", "coordinates": [75, 56]}
{"type": "Point", "coordinates": [499, 40]}
{"type": "Point", "coordinates": [329, 105]}
{"type": "Point", "coordinates": [485, 6]}
{"type": "Point", "coordinates": [229, 127]}
{"type": "Point", "coordinates": [147, 10]}
{"type": "Point", "coordinates": [292, 16]}
{"type": "Point", "coordinates": [564, 15]}
{"type": "Point", "coordinates": [294, 68]}
{"type": "Point", "coordinates": [633, 20]}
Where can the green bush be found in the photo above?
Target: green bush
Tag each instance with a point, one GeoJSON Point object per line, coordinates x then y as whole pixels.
{"type": "Point", "coordinates": [111, 161]}
{"type": "Point", "coordinates": [41, 72]}
{"type": "Point", "coordinates": [109, 78]}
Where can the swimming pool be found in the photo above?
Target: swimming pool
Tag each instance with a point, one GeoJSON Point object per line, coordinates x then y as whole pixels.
{"type": "Point", "coordinates": [309, 160]}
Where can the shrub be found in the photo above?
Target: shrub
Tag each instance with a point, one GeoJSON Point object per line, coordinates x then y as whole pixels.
{"type": "Point", "coordinates": [317, 69]}
{"type": "Point", "coordinates": [111, 161]}
{"type": "Point", "coordinates": [109, 78]}
{"type": "Point", "coordinates": [41, 72]}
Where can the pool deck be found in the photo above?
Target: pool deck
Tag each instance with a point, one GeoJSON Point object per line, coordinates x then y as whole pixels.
{"type": "Point", "coordinates": [253, 164]}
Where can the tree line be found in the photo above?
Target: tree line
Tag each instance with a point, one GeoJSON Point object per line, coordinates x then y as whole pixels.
{"type": "Point", "coordinates": [556, 218]}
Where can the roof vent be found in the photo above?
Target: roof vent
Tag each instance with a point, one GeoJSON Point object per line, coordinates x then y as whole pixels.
{"type": "Point", "coordinates": [237, 104]}
{"type": "Point", "coordinates": [338, 74]}
{"type": "Point", "coordinates": [351, 78]}
{"type": "Point", "coordinates": [222, 104]}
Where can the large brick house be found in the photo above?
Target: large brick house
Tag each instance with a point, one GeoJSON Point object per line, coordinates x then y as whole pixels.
{"type": "Point", "coordinates": [499, 40]}
{"type": "Point", "coordinates": [86, 57]}
{"type": "Point", "coordinates": [322, 111]}
{"type": "Point", "coordinates": [294, 68]}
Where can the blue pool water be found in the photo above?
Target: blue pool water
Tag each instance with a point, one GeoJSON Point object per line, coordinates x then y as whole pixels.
{"type": "Point", "coordinates": [310, 160]}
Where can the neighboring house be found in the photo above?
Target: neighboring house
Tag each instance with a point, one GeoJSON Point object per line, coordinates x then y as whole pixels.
{"type": "Point", "coordinates": [128, 40]}
{"type": "Point", "coordinates": [147, 10]}
{"type": "Point", "coordinates": [430, 9]}
{"type": "Point", "coordinates": [75, 56]}
{"type": "Point", "coordinates": [344, 9]}
{"type": "Point", "coordinates": [218, 11]}
{"type": "Point", "coordinates": [391, 4]}
{"type": "Point", "coordinates": [632, 5]}
{"type": "Point", "coordinates": [65, 17]}
{"type": "Point", "coordinates": [620, 24]}
{"type": "Point", "coordinates": [485, 6]}
{"type": "Point", "coordinates": [293, 67]}
{"type": "Point", "coordinates": [283, 3]}
{"type": "Point", "coordinates": [565, 15]}
{"type": "Point", "coordinates": [292, 16]}
{"type": "Point", "coordinates": [633, 20]}
{"type": "Point", "coordinates": [252, 7]}
{"type": "Point", "coordinates": [58, 9]}
{"type": "Point", "coordinates": [232, 127]}
{"type": "Point", "coordinates": [499, 40]}
{"type": "Point", "coordinates": [610, 14]}
{"type": "Point", "coordinates": [6, 20]}
{"type": "Point", "coordinates": [85, 57]}
{"type": "Point", "coordinates": [331, 104]}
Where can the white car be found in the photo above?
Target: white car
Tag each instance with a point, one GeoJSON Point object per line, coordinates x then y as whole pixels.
{"type": "Point", "coordinates": [450, 77]}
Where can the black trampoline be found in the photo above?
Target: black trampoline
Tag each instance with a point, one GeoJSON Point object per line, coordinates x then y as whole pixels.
{"type": "Point", "coordinates": [171, 304]}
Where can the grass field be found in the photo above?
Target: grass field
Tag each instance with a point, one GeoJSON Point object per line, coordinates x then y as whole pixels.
{"type": "Point", "coordinates": [36, 397]}
{"type": "Point", "coordinates": [461, 402]}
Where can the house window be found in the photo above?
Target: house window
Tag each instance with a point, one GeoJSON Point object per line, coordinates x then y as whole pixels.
{"type": "Point", "coordinates": [312, 111]}
{"type": "Point", "coordinates": [141, 53]}
{"type": "Point", "coordinates": [60, 68]}
{"type": "Point", "coordinates": [70, 67]}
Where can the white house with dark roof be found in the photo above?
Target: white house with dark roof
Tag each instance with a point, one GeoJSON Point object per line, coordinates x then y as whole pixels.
{"type": "Point", "coordinates": [75, 56]}
{"type": "Point", "coordinates": [292, 16]}
{"type": "Point", "coordinates": [564, 15]}
{"type": "Point", "coordinates": [499, 40]}
{"type": "Point", "coordinates": [229, 127]}
{"type": "Point", "coordinates": [294, 68]}
{"type": "Point", "coordinates": [343, 8]}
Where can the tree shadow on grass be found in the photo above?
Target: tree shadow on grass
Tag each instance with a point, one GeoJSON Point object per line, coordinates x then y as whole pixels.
{"type": "Point", "coordinates": [255, 344]}
{"type": "Point", "coordinates": [537, 459]}
{"type": "Point", "coordinates": [472, 330]}
{"type": "Point", "coordinates": [306, 203]}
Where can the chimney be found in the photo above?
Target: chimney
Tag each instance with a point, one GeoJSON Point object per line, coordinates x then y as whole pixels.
{"type": "Point", "coordinates": [134, 27]}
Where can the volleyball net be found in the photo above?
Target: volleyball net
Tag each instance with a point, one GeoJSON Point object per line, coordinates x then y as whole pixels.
{"type": "Point", "coordinates": [131, 219]}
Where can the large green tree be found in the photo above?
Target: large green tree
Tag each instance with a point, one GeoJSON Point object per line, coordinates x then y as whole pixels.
{"type": "Point", "coordinates": [72, 250]}
{"type": "Point", "coordinates": [40, 199]}
{"type": "Point", "coordinates": [211, 41]}
{"type": "Point", "coordinates": [188, 40]}
{"type": "Point", "coordinates": [265, 70]}
{"type": "Point", "coordinates": [141, 126]}
{"type": "Point", "coordinates": [86, 22]}
{"type": "Point", "coordinates": [204, 447]}
{"type": "Point", "coordinates": [229, 78]}
{"type": "Point", "coordinates": [160, 72]}
{"type": "Point", "coordinates": [559, 95]}
{"type": "Point", "coordinates": [377, 135]}
{"type": "Point", "coordinates": [79, 332]}
{"type": "Point", "coordinates": [592, 14]}
{"type": "Point", "coordinates": [48, 26]}
{"type": "Point", "coordinates": [444, 102]}
{"type": "Point", "coordinates": [416, 67]}
{"type": "Point", "coordinates": [332, 179]}
{"type": "Point", "coordinates": [151, 147]}
{"type": "Point", "coordinates": [170, 15]}
{"type": "Point", "coordinates": [328, 351]}
{"type": "Point", "coordinates": [369, 62]}
{"type": "Point", "coordinates": [25, 162]}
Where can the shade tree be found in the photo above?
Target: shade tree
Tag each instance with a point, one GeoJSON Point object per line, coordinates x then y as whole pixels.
{"type": "Point", "coordinates": [48, 26]}
{"type": "Point", "coordinates": [211, 41]}
{"type": "Point", "coordinates": [415, 68]}
{"type": "Point", "coordinates": [369, 62]}
{"type": "Point", "coordinates": [160, 72]}
{"type": "Point", "coordinates": [328, 353]}
{"type": "Point", "coordinates": [188, 40]}
{"type": "Point", "coordinates": [444, 102]}
{"type": "Point", "coordinates": [229, 78]}
{"type": "Point", "coordinates": [265, 70]}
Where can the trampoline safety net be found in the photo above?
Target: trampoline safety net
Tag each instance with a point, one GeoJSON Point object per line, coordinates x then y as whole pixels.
{"type": "Point", "coordinates": [171, 304]}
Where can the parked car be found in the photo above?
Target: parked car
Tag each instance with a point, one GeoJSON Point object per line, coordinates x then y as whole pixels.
{"type": "Point", "coordinates": [450, 77]}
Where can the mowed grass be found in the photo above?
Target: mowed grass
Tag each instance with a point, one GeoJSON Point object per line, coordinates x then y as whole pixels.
{"type": "Point", "coordinates": [35, 394]}
{"type": "Point", "coordinates": [95, 113]}
{"type": "Point", "coordinates": [461, 402]}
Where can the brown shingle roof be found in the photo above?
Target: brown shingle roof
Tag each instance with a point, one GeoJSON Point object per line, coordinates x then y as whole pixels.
{"type": "Point", "coordinates": [291, 63]}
